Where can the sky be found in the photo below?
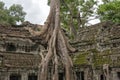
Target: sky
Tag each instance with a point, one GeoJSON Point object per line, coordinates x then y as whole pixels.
{"type": "Point", "coordinates": [37, 10]}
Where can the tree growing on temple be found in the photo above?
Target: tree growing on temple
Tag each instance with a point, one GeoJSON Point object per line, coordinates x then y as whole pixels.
{"type": "Point", "coordinates": [57, 46]}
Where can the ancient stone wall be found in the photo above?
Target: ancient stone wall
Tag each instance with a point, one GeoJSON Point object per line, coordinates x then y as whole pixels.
{"type": "Point", "coordinates": [97, 56]}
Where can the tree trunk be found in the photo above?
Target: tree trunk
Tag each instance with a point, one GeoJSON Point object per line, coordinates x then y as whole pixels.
{"type": "Point", "coordinates": [58, 47]}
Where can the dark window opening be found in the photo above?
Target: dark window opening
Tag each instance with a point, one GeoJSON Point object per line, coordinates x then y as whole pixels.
{"type": "Point", "coordinates": [10, 47]}
{"type": "Point", "coordinates": [105, 27]}
{"type": "Point", "coordinates": [102, 77]}
{"type": "Point", "coordinates": [61, 76]}
{"type": "Point", "coordinates": [118, 74]}
{"type": "Point", "coordinates": [15, 77]}
{"type": "Point", "coordinates": [114, 45]}
{"type": "Point", "coordinates": [80, 75]}
{"type": "Point", "coordinates": [1, 60]}
{"type": "Point", "coordinates": [34, 47]}
{"type": "Point", "coordinates": [27, 48]}
{"type": "Point", "coordinates": [32, 77]}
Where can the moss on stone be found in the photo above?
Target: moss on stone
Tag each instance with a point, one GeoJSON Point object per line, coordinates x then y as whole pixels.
{"type": "Point", "coordinates": [80, 58]}
{"type": "Point", "coordinates": [106, 52]}
{"type": "Point", "coordinates": [94, 51]}
{"type": "Point", "coordinates": [98, 58]}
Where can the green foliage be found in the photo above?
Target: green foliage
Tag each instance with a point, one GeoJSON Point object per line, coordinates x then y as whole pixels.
{"type": "Point", "coordinates": [110, 10]}
{"type": "Point", "coordinates": [76, 13]}
{"type": "Point", "coordinates": [11, 15]}
{"type": "Point", "coordinates": [2, 5]}
{"type": "Point", "coordinates": [16, 13]}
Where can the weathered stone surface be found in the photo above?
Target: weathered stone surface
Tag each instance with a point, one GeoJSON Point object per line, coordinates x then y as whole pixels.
{"type": "Point", "coordinates": [97, 45]}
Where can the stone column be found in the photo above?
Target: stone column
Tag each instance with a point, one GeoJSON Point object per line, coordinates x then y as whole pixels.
{"type": "Point", "coordinates": [97, 76]}
{"type": "Point", "coordinates": [85, 74]}
{"type": "Point", "coordinates": [24, 76]}
{"type": "Point", "coordinates": [114, 77]}
{"type": "Point", "coordinates": [5, 76]}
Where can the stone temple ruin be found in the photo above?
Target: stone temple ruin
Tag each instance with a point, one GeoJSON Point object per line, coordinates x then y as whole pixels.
{"type": "Point", "coordinates": [97, 58]}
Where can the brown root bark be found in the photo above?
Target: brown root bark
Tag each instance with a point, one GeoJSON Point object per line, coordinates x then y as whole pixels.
{"type": "Point", "coordinates": [58, 47]}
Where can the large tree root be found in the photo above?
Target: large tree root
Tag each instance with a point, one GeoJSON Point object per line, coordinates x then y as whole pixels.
{"type": "Point", "coordinates": [58, 47]}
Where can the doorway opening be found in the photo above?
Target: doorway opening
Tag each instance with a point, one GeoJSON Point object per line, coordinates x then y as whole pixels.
{"type": "Point", "coordinates": [118, 74]}
{"type": "Point", "coordinates": [102, 77]}
{"type": "Point", "coordinates": [80, 75]}
{"type": "Point", "coordinates": [15, 77]}
{"type": "Point", "coordinates": [32, 77]}
{"type": "Point", "coordinates": [61, 76]}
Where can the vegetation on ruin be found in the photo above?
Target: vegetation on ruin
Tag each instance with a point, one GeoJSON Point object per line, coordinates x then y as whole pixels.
{"type": "Point", "coordinates": [98, 58]}
{"type": "Point", "coordinates": [73, 15]}
{"type": "Point", "coordinates": [57, 45]}
{"type": "Point", "coordinates": [80, 58]}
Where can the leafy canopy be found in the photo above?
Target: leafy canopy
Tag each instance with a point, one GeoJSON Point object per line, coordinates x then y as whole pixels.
{"type": "Point", "coordinates": [75, 14]}
{"type": "Point", "coordinates": [11, 15]}
{"type": "Point", "coordinates": [110, 10]}
{"type": "Point", "coordinates": [79, 10]}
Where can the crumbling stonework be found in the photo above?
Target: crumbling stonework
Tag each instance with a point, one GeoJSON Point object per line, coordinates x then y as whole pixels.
{"type": "Point", "coordinates": [99, 45]}
{"type": "Point", "coordinates": [97, 58]}
{"type": "Point", "coordinates": [19, 58]}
